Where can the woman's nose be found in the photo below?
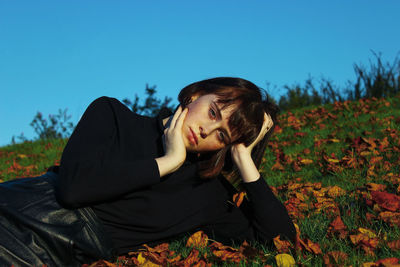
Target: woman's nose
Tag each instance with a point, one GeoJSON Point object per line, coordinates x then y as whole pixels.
{"type": "Point", "coordinates": [202, 132]}
{"type": "Point", "coordinates": [205, 130]}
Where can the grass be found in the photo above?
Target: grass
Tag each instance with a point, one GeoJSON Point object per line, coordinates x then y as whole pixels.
{"type": "Point", "coordinates": [349, 144]}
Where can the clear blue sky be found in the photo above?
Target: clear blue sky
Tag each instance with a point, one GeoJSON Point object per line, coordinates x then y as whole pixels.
{"type": "Point", "coordinates": [64, 54]}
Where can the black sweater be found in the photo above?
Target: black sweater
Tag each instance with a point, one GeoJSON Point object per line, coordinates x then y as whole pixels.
{"type": "Point", "coordinates": [109, 164]}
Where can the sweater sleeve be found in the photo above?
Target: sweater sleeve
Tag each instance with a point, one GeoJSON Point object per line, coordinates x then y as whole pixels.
{"type": "Point", "coordinates": [268, 215]}
{"type": "Point", "coordinates": [90, 172]}
{"type": "Point", "coordinates": [262, 217]}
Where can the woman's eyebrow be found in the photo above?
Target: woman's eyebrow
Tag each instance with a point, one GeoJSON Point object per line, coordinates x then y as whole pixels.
{"type": "Point", "coordinates": [219, 114]}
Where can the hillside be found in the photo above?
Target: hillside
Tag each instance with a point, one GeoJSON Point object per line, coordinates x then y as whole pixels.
{"type": "Point", "coordinates": [336, 168]}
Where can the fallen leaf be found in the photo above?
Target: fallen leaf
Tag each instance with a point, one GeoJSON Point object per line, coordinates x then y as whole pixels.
{"type": "Point", "coordinates": [281, 245]}
{"type": "Point", "coordinates": [335, 258]}
{"type": "Point", "coordinates": [238, 198]}
{"type": "Point", "coordinates": [386, 200]}
{"type": "Point", "coordinates": [198, 239]}
{"type": "Point", "coordinates": [387, 262]}
{"type": "Point", "coordinates": [145, 262]}
{"type": "Point", "coordinates": [376, 187]}
{"type": "Point", "coordinates": [285, 260]}
{"type": "Point", "coordinates": [306, 161]}
{"type": "Point", "coordinates": [313, 247]}
{"type": "Point", "coordinates": [192, 258]}
{"type": "Point", "coordinates": [336, 191]}
{"type": "Point", "coordinates": [394, 245]}
{"type": "Point", "coordinates": [367, 232]}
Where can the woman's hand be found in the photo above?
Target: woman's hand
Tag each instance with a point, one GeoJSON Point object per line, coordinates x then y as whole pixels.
{"type": "Point", "coordinates": [241, 154]}
{"type": "Point", "coordinates": [175, 150]}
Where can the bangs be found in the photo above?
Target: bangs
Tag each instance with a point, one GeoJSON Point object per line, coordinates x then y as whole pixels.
{"type": "Point", "coordinates": [246, 120]}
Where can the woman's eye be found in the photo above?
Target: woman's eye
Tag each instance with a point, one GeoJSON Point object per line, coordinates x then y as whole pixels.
{"type": "Point", "coordinates": [221, 136]}
{"type": "Point", "coordinates": [212, 113]}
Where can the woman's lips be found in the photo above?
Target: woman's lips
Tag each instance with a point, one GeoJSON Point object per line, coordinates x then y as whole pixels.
{"type": "Point", "coordinates": [193, 138]}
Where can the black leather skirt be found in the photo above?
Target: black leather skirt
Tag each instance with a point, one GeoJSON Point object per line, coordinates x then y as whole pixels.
{"type": "Point", "coordinates": [36, 230]}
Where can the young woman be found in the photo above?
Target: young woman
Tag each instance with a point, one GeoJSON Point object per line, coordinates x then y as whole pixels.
{"type": "Point", "coordinates": [125, 180]}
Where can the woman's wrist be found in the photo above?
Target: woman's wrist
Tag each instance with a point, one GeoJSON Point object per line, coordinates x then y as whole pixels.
{"type": "Point", "coordinates": [167, 165]}
{"type": "Point", "coordinates": [246, 166]}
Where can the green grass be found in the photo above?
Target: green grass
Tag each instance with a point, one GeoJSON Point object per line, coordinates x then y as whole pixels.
{"type": "Point", "coordinates": [373, 119]}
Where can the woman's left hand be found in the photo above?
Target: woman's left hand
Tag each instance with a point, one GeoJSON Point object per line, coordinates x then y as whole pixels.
{"type": "Point", "coordinates": [241, 154]}
{"type": "Point", "coordinates": [241, 148]}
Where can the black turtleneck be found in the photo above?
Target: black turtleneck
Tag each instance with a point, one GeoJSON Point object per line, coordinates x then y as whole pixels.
{"type": "Point", "coordinates": [109, 164]}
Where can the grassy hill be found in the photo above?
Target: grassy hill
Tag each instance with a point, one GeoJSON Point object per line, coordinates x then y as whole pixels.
{"type": "Point", "coordinates": [336, 168]}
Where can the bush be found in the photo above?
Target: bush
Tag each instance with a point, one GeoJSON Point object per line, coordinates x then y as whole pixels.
{"type": "Point", "coordinates": [152, 105]}
{"type": "Point", "coordinates": [378, 80]}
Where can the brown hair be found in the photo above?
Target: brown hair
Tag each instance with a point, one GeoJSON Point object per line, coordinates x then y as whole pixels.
{"type": "Point", "coordinates": [245, 121]}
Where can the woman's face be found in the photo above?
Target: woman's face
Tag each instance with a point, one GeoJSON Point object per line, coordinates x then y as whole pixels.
{"type": "Point", "coordinates": [206, 126]}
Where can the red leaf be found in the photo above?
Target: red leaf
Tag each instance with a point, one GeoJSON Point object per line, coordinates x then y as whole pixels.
{"type": "Point", "coordinates": [386, 200]}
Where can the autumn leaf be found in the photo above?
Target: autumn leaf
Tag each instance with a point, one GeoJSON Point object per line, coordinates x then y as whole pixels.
{"type": "Point", "coordinates": [336, 191]}
{"type": "Point", "coordinates": [198, 239]}
{"type": "Point", "coordinates": [306, 161]}
{"type": "Point", "coordinates": [249, 252]}
{"type": "Point", "coordinates": [390, 217]}
{"type": "Point", "coordinates": [334, 258]}
{"type": "Point", "coordinates": [337, 226]}
{"type": "Point", "coordinates": [285, 260]}
{"type": "Point", "coordinates": [144, 262]}
{"type": "Point", "coordinates": [226, 252]}
{"type": "Point", "coordinates": [277, 166]}
{"type": "Point", "coordinates": [333, 160]}
{"type": "Point", "coordinates": [386, 200]}
{"type": "Point", "coordinates": [367, 232]}
{"type": "Point", "coordinates": [192, 258]}
{"type": "Point", "coordinates": [238, 198]}
{"type": "Point", "coordinates": [202, 263]}
{"type": "Point", "coordinates": [387, 262]}
{"type": "Point", "coordinates": [281, 245]}
{"type": "Point", "coordinates": [313, 247]}
{"type": "Point", "coordinates": [376, 187]}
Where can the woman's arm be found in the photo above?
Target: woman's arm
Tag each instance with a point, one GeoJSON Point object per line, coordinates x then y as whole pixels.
{"type": "Point", "coordinates": [175, 150]}
{"type": "Point", "coordinates": [269, 215]}
{"type": "Point", "coordinates": [92, 170]}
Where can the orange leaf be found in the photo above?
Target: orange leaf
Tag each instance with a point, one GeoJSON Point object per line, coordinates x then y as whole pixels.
{"type": "Point", "coordinates": [277, 166]}
{"type": "Point", "coordinates": [338, 224]}
{"type": "Point", "coordinates": [376, 187]}
{"type": "Point", "coordinates": [386, 200]}
{"type": "Point", "coordinates": [334, 258]}
{"type": "Point", "coordinates": [198, 239]}
{"type": "Point", "coordinates": [202, 263]}
{"type": "Point", "coordinates": [394, 245]}
{"type": "Point", "coordinates": [238, 198]}
{"type": "Point", "coordinates": [387, 262]}
{"type": "Point", "coordinates": [335, 191]}
{"type": "Point", "coordinates": [158, 249]}
{"type": "Point", "coordinates": [390, 217]}
{"type": "Point", "coordinates": [314, 247]}
{"type": "Point", "coordinates": [192, 258]}
{"type": "Point", "coordinates": [281, 245]}
{"type": "Point", "coordinates": [356, 239]}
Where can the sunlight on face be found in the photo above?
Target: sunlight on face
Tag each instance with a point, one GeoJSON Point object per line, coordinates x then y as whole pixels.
{"type": "Point", "coordinates": [206, 125]}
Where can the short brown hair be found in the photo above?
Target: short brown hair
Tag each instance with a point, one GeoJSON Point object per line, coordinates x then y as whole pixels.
{"type": "Point", "coordinates": [245, 121]}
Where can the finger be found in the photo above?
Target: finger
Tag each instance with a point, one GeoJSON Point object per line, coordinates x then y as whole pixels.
{"type": "Point", "coordinates": [268, 123]}
{"type": "Point", "coordinates": [181, 119]}
{"type": "Point", "coordinates": [176, 115]}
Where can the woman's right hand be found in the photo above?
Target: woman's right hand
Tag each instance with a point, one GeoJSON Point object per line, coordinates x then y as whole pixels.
{"type": "Point", "coordinates": [175, 149]}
